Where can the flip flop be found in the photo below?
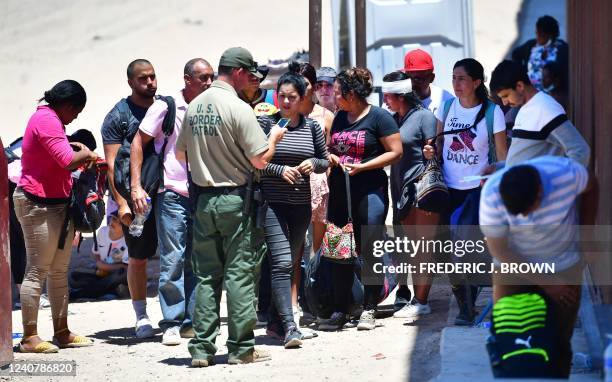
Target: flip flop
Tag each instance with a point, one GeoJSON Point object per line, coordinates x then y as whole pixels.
{"type": "Point", "coordinates": [42, 348]}
{"type": "Point", "coordinates": [77, 342]}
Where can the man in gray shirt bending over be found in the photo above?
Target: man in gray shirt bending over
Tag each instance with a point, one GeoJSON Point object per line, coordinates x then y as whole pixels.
{"type": "Point", "coordinates": [541, 126]}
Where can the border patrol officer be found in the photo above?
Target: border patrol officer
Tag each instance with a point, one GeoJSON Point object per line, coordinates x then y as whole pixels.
{"type": "Point", "coordinates": [224, 142]}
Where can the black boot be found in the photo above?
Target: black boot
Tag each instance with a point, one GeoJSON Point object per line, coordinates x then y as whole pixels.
{"type": "Point", "coordinates": [465, 301]}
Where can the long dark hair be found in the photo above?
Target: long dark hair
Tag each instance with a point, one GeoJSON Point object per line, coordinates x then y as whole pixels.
{"type": "Point", "coordinates": [475, 70]}
{"type": "Point", "coordinates": [356, 80]}
{"type": "Point", "coordinates": [65, 92]}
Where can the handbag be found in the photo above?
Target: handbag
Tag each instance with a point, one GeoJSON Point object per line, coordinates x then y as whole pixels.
{"type": "Point", "coordinates": [431, 192]}
{"type": "Point", "coordinates": [339, 242]}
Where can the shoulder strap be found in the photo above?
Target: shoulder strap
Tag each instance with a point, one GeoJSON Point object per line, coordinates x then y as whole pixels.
{"type": "Point", "coordinates": [169, 119]}
{"type": "Point", "coordinates": [348, 196]}
{"type": "Point", "coordinates": [124, 118]}
{"type": "Point", "coordinates": [124, 113]}
{"type": "Point", "coordinates": [490, 119]}
{"type": "Point", "coordinates": [446, 109]}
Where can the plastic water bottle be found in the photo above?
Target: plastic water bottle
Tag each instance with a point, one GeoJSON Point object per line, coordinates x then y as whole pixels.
{"type": "Point", "coordinates": [138, 223]}
{"type": "Point", "coordinates": [607, 361]}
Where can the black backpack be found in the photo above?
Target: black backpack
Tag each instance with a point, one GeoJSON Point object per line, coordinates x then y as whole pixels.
{"type": "Point", "coordinates": [319, 285]}
{"type": "Point", "coordinates": [86, 206]}
{"type": "Point", "coordinates": [152, 171]}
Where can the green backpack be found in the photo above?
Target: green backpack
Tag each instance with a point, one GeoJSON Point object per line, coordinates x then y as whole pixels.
{"type": "Point", "coordinates": [521, 344]}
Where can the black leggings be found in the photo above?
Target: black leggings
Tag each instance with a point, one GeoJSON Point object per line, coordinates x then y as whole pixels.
{"type": "Point", "coordinates": [285, 230]}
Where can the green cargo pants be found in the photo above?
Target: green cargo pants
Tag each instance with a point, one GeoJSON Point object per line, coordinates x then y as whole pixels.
{"type": "Point", "coordinates": [225, 249]}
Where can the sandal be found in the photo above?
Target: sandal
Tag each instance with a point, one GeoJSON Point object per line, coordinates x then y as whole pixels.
{"type": "Point", "coordinates": [77, 342]}
{"type": "Point", "coordinates": [44, 347]}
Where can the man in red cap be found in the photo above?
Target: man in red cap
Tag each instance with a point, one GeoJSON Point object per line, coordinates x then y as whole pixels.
{"type": "Point", "coordinates": [419, 67]}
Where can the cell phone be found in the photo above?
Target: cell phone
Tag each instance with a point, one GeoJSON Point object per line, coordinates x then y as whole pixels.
{"type": "Point", "coordinates": [283, 122]}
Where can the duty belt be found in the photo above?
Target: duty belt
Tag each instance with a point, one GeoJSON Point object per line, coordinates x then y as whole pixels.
{"type": "Point", "coordinates": [236, 190]}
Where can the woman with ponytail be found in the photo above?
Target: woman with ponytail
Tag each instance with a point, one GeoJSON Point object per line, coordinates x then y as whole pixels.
{"type": "Point", "coordinates": [41, 204]}
{"type": "Point", "coordinates": [318, 182]}
{"type": "Point", "coordinates": [475, 136]}
{"type": "Point", "coordinates": [417, 125]}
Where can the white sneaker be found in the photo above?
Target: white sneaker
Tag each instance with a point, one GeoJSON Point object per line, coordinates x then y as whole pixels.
{"type": "Point", "coordinates": [172, 336]}
{"type": "Point", "coordinates": [144, 328]}
{"type": "Point", "coordinates": [44, 301]}
{"type": "Point", "coordinates": [308, 334]}
{"type": "Point", "coordinates": [367, 320]}
{"type": "Point", "coordinates": [413, 309]}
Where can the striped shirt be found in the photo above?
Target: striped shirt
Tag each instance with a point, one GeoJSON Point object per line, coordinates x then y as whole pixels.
{"type": "Point", "coordinates": [550, 233]}
{"type": "Point", "coordinates": [306, 141]}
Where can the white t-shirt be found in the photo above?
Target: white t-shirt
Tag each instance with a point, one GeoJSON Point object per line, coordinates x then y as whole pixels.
{"type": "Point", "coordinates": [110, 251]}
{"type": "Point", "coordinates": [466, 153]}
{"type": "Point", "coordinates": [536, 113]}
{"type": "Point", "coordinates": [437, 97]}
{"type": "Point", "coordinates": [541, 128]}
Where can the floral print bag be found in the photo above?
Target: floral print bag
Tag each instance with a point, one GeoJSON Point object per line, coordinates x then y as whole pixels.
{"type": "Point", "coordinates": [339, 242]}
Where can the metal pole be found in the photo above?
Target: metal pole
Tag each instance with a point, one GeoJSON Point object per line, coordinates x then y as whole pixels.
{"type": "Point", "coordinates": [6, 311]}
{"type": "Point", "coordinates": [314, 32]}
{"type": "Point", "coordinates": [360, 33]}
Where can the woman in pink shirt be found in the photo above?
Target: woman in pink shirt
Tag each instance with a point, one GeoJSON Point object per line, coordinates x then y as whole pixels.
{"type": "Point", "coordinates": [41, 201]}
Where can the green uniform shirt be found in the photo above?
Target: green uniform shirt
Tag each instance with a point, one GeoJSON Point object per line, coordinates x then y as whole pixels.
{"type": "Point", "coordinates": [220, 133]}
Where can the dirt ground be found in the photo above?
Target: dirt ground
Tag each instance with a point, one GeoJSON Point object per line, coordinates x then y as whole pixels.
{"type": "Point", "coordinates": [397, 351]}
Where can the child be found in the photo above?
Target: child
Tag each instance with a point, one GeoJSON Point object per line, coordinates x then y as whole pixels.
{"type": "Point", "coordinates": [110, 275]}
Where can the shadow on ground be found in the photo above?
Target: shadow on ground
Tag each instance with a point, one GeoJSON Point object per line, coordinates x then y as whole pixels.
{"type": "Point", "coordinates": [182, 362]}
{"type": "Point", "coordinates": [123, 337]}
{"type": "Point", "coordinates": [424, 362]}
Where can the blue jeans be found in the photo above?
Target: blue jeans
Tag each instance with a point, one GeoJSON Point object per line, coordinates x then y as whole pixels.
{"type": "Point", "coordinates": [176, 281]}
